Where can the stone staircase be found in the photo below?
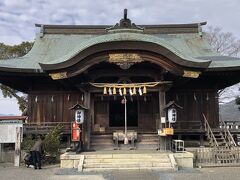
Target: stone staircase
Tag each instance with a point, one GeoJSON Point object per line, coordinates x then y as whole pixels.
{"type": "Point", "coordinates": [102, 142]}
{"type": "Point", "coordinates": [121, 161]}
{"type": "Point", "coordinates": [105, 142]}
{"type": "Point", "coordinates": [147, 141]}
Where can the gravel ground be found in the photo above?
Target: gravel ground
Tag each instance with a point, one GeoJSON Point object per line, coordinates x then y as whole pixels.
{"type": "Point", "coordinates": [8, 172]}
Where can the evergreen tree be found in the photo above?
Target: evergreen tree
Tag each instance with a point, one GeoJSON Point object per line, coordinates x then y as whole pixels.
{"type": "Point", "coordinates": [7, 52]}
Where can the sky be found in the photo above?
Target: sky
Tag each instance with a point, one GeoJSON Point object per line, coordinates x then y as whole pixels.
{"type": "Point", "coordinates": [17, 18]}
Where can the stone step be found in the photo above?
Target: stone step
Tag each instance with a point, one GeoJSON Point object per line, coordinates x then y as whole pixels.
{"type": "Point", "coordinates": [102, 143]}
{"type": "Point", "coordinates": [124, 147]}
{"type": "Point", "coordinates": [103, 148]}
{"type": "Point", "coordinates": [147, 146]}
{"type": "Point", "coordinates": [126, 164]}
{"type": "Point", "coordinates": [101, 139]}
{"type": "Point", "coordinates": [121, 143]}
{"type": "Point", "coordinates": [128, 168]}
{"type": "Point", "coordinates": [102, 135]}
{"type": "Point", "coordinates": [110, 140]}
{"type": "Point", "coordinates": [108, 160]}
{"type": "Point", "coordinates": [127, 156]}
{"type": "Point", "coordinates": [147, 135]}
{"type": "Point", "coordinates": [147, 142]}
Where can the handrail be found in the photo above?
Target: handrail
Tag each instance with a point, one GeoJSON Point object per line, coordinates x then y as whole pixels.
{"type": "Point", "coordinates": [209, 130]}
{"type": "Point", "coordinates": [227, 133]}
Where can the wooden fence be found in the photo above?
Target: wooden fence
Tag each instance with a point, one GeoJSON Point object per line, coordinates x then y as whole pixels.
{"type": "Point", "coordinates": [218, 156]}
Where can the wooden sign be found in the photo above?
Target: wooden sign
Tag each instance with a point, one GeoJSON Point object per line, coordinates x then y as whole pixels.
{"type": "Point", "coordinates": [169, 131]}
{"type": "Point", "coordinates": [8, 130]}
{"type": "Point", "coordinates": [161, 132]}
{"type": "Point", "coordinates": [56, 76]}
{"type": "Point", "coordinates": [124, 57]}
{"type": "Point", "coordinates": [166, 132]}
{"type": "Point", "coordinates": [191, 74]}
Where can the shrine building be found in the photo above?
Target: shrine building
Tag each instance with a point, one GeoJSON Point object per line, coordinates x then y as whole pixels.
{"type": "Point", "coordinates": [127, 76]}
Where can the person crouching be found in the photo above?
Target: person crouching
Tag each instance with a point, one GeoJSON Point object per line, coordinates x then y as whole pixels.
{"type": "Point", "coordinates": [37, 152]}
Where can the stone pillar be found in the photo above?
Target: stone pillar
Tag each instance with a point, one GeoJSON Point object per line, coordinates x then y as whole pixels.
{"type": "Point", "coordinates": [17, 153]}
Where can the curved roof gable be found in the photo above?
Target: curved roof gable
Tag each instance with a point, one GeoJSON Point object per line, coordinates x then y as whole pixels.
{"type": "Point", "coordinates": [55, 51]}
{"type": "Point", "coordinates": [170, 51]}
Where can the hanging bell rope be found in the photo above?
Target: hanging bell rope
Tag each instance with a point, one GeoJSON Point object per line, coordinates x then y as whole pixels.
{"type": "Point", "coordinates": [132, 88]}
{"type": "Point", "coordinates": [131, 85]}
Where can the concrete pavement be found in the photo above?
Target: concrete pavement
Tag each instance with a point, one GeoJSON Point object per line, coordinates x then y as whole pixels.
{"type": "Point", "coordinates": [8, 172]}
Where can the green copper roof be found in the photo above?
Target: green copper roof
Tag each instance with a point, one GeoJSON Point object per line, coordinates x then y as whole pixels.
{"type": "Point", "coordinates": [172, 46]}
{"type": "Point", "coordinates": [192, 49]}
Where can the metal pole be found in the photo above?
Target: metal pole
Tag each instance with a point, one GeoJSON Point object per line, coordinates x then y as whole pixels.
{"type": "Point", "coordinates": [125, 104]}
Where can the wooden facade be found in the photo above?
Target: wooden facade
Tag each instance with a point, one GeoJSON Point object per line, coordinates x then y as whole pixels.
{"type": "Point", "coordinates": [54, 107]}
{"type": "Point", "coordinates": [58, 73]}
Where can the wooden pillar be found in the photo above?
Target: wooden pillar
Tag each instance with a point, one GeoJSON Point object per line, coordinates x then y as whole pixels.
{"type": "Point", "coordinates": [69, 140]}
{"type": "Point", "coordinates": [1, 152]}
{"type": "Point", "coordinates": [89, 120]}
{"type": "Point", "coordinates": [179, 136]}
{"type": "Point", "coordinates": [17, 153]}
{"type": "Point", "coordinates": [86, 125]}
{"type": "Point", "coordinates": [201, 140]}
{"type": "Point", "coordinates": [162, 114]}
{"type": "Point", "coordinates": [162, 103]}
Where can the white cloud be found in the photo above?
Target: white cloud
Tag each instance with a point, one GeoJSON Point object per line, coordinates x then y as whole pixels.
{"type": "Point", "coordinates": [17, 17]}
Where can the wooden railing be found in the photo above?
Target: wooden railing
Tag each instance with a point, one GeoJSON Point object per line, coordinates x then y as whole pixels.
{"type": "Point", "coordinates": [45, 127]}
{"type": "Point", "coordinates": [218, 156]}
{"type": "Point", "coordinates": [226, 133]}
{"type": "Point", "coordinates": [188, 125]}
{"type": "Point", "coordinates": [208, 130]}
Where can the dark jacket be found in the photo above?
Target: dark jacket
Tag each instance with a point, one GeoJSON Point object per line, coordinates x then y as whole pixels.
{"type": "Point", "coordinates": [38, 146]}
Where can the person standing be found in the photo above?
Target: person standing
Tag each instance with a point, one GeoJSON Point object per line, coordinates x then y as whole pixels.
{"type": "Point", "coordinates": [37, 152]}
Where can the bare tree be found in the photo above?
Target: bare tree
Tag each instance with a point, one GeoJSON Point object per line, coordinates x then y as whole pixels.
{"type": "Point", "coordinates": [223, 42]}
{"type": "Point", "coordinates": [226, 44]}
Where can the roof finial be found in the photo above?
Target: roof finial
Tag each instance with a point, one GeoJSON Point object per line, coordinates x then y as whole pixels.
{"type": "Point", "coordinates": [125, 14]}
{"type": "Point", "coordinates": [125, 23]}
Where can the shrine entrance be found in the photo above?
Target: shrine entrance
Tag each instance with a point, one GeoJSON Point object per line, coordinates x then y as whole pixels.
{"type": "Point", "coordinates": [109, 113]}
{"type": "Point", "coordinates": [116, 114]}
{"type": "Point", "coordinates": [135, 75]}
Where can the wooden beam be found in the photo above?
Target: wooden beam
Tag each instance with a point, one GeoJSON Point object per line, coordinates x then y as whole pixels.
{"type": "Point", "coordinates": [120, 73]}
